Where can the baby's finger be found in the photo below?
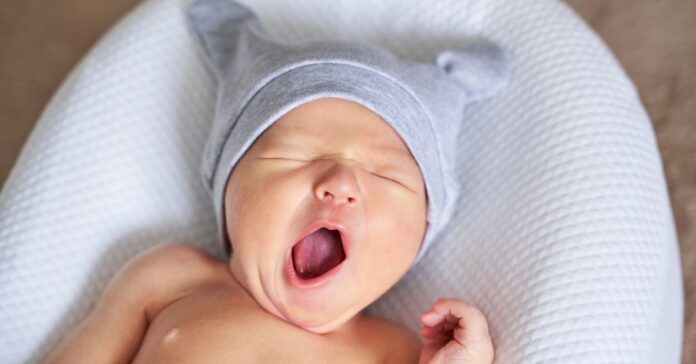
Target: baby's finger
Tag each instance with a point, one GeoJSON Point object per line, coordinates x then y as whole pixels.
{"type": "Point", "coordinates": [467, 315]}
{"type": "Point", "coordinates": [432, 318]}
{"type": "Point", "coordinates": [430, 332]}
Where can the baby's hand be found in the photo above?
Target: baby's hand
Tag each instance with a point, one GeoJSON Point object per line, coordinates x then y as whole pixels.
{"type": "Point", "coordinates": [455, 332]}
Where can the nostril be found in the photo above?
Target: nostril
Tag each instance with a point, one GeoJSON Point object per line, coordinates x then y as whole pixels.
{"type": "Point", "coordinates": [348, 199]}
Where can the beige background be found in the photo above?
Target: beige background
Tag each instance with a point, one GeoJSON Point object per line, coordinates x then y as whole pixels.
{"type": "Point", "coordinates": [40, 41]}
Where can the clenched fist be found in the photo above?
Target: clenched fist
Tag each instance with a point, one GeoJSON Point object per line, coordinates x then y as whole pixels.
{"type": "Point", "coordinates": [455, 332]}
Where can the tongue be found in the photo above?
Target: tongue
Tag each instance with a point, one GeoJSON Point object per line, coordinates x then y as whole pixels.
{"type": "Point", "coordinates": [317, 253]}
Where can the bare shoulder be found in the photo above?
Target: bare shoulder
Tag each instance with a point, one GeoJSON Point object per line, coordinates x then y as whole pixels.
{"type": "Point", "coordinates": [401, 345]}
{"type": "Point", "coordinates": [172, 262]}
{"type": "Point", "coordinates": [162, 274]}
{"type": "Point", "coordinates": [172, 257]}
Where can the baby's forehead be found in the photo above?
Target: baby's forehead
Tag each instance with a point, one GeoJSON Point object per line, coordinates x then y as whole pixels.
{"type": "Point", "coordinates": [334, 120]}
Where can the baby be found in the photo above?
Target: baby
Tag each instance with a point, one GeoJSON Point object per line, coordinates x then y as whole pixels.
{"type": "Point", "coordinates": [330, 167]}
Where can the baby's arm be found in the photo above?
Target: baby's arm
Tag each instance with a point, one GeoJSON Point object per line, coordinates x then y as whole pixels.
{"type": "Point", "coordinates": [455, 332]}
{"type": "Point", "coordinates": [113, 331]}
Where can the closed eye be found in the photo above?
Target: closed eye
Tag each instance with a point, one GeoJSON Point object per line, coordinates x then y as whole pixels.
{"type": "Point", "coordinates": [286, 159]}
{"type": "Point", "coordinates": [371, 172]}
{"type": "Point", "coordinates": [391, 180]}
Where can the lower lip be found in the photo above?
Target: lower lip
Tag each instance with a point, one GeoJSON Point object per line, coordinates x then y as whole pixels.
{"type": "Point", "coordinates": [298, 282]}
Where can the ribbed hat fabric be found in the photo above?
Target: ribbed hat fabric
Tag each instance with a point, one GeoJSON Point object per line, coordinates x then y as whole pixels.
{"type": "Point", "coordinates": [260, 79]}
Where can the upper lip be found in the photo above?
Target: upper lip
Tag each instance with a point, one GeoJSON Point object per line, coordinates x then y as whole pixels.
{"type": "Point", "coordinates": [330, 225]}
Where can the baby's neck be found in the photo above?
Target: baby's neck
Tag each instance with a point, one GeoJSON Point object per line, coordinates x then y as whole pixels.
{"type": "Point", "coordinates": [348, 327]}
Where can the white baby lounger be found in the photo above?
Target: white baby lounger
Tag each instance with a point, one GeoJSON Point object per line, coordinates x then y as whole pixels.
{"type": "Point", "coordinates": [563, 237]}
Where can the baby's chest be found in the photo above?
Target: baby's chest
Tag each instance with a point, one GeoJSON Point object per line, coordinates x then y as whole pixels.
{"type": "Point", "coordinates": [195, 330]}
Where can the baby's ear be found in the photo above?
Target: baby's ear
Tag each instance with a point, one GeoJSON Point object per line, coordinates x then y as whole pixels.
{"type": "Point", "coordinates": [219, 26]}
{"type": "Point", "coordinates": [481, 68]}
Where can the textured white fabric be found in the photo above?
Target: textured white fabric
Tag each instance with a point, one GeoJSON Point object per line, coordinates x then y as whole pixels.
{"type": "Point", "coordinates": [563, 237]}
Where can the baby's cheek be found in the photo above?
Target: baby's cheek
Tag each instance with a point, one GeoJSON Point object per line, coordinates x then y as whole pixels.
{"type": "Point", "coordinates": [250, 206]}
{"type": "Point", "coordinates": [397, 235]}
{"type": "Point", "coordinates": [408, 222]}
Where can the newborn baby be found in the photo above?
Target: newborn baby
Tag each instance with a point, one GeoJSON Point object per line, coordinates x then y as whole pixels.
{"type": "Point", "coordinates": [351, 175]}
{"type": "Point", "coordinates": [330, 167]}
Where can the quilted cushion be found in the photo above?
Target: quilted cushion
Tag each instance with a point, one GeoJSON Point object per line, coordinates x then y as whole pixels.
{"type": "Point", "coordinates": [563, 235]}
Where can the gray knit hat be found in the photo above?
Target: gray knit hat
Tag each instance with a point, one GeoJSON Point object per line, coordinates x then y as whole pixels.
{"type": "Point", "coordinates": [259, 80]}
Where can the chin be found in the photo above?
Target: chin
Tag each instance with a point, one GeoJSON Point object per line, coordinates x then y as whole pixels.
{"type": "Point", "coordinates": [320, 321]}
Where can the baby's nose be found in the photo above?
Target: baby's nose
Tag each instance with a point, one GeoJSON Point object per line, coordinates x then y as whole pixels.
{"type": "Point", "coordinates": [338, 185]}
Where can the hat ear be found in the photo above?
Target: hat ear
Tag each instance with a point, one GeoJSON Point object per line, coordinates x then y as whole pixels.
{"type": "Point", "coordinates": [481, 69]}
{"type": "Point", "coordinates": [218, 26]}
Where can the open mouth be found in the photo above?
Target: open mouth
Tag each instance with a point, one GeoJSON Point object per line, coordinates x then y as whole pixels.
{"type": "Point", "coordinates": [317, 253]}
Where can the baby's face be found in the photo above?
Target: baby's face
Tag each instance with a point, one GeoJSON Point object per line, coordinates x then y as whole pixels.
{"type": "Point", "coordinates": [328, 161]}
